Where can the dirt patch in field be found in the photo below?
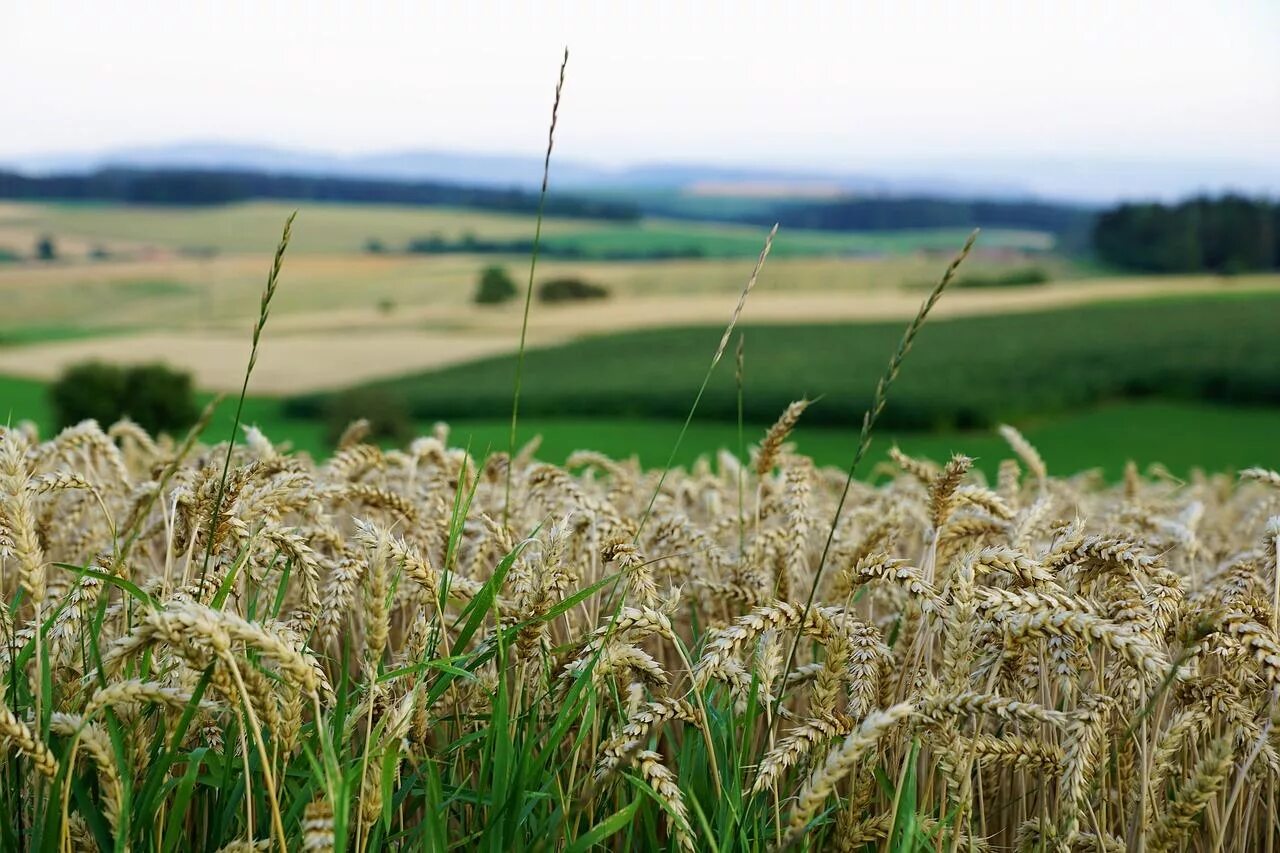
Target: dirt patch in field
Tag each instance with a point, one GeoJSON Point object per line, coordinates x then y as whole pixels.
{"type": "Point", "coordinates": [287, 364]}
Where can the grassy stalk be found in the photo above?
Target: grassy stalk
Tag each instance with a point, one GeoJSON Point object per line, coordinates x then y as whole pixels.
{"type": "Point", "coordinates": [739, 376]}
{"type": "Point", "coordinates": [528, 291]}
{"type": "Point", "coordinates": [864, 439]}
{"type": "Point", "coordinates": [264, 310]}
{"type": "Point", "coordinates": [715, 360]}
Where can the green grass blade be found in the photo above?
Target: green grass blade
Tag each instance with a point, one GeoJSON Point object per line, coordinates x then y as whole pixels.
{"type": "Point", "coordinates": [606, 828]}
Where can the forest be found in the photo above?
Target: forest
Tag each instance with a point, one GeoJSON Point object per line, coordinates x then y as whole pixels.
{"type": "Point", "coordinates": [211, 187]}
{"type": "Point", "coordinates": [1232, 234]}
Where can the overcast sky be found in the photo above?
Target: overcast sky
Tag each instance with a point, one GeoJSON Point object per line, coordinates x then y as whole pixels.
{"type": "Point", "coordinates": [826, 85]}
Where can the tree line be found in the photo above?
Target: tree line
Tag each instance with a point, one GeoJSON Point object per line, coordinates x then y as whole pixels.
{"type": "Point", "coordinates": [887, 214]}
{"type": "Point", "coordinates": [210, 187]}
{"type": "Point", "coordinates": [1070, 224]}
{"type": "Point", "coordinates": [566, 250]}
{"type": "Point", "coordinates": [1231, 234]}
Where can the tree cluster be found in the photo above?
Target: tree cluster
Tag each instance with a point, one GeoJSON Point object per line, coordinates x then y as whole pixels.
{"type": "Point", "coordinates": [154, 396]}
{"type": "Point", "coordinates": [1069, 223]}
{"type": "Point", "coordinates": [1232, 234]}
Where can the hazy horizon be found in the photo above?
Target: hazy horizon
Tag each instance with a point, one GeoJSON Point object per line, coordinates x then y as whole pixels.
{"type": "Point", "coordinates": [998, 89]}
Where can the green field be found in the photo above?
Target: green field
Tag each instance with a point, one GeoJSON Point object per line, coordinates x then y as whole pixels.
{"type": "Point", "coordinates": [1181, 436]}
{"type": "Point", "coordinates": [346, 228]}
{"type": "Point", "coordinates": [729, 241]}
{"type": "Point", "coordinates": [964, 373]}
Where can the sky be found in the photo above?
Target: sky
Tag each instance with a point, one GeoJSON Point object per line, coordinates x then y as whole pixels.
{"type": "Point", "coordinates": [840, 85]}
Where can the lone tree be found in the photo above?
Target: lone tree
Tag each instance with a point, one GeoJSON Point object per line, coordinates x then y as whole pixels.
{"type": "Point", "coordinates": [495, 287]}
{"type": "Point", "coordinates": [45, 248]}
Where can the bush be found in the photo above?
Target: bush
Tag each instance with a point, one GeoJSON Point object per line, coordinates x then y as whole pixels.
{"type": "Point", "coordinates": [570, 290]}
{"type": "Point", "coordinates": [1011, 278]}
{"type": "Point", "coordinates": [92, 390]}
{"type": "Point", "coordinates": [374, 246]}
{"type": "Point", "coordinates": [158, 398]}
{"type": "Point", "coordinates": [495, 287]}
{"type": "Point", "coordinates": [45, 249]}
{"type": "Point", "coordinates": [385, 411]}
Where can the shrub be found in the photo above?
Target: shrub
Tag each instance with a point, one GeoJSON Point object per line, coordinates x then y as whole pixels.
{"type": "Point", "coordinates": [91, 390]}
{"type": "Point", "coordinates": [46, 250]}
{"type": "Point", "coordinates": [385, 411]}
{"type": "Point", "coordinates": [157, 397]}
{"type": "Point", "coordinates": [1010, 278]}
{"type": "Point", "coordinates": [374, 246]}
{"type": "Point", "coordinates": [570, 290]}
{"type": "Point", "coordinates": [495, 287]}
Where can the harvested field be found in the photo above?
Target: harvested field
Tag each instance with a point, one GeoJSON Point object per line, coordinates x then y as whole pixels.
{"type": "Point", "coordinates": [291, 362]}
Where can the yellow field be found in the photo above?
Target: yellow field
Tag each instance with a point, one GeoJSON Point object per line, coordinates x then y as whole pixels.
{"type": "Point", "coordinates": [254, 227]}
{"type": "Point", "coordinates": [184, 292]}
{"type": "Point", "coordinates": [335, 228]}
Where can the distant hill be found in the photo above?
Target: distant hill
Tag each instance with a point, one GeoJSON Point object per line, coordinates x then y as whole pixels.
{"type": "Point", "coordinates": [1079, 180]}
{"type": "Point", "coordinates": [825, 212]}
{"type": "Point", "coordinates": [491, 170]}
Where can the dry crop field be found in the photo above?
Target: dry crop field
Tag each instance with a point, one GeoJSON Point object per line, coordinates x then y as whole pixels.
{"type": "Point", "coordinates": [418, 648]}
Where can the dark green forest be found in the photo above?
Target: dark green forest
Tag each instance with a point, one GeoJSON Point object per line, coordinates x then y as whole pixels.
{"type": "Point", "coordinates": [207, 187]}
{"type": "Point", "coordinates": [1232, 234]}
{"type": "Point", "coordinates": [886, 214]}
{"type": "Point", "coordinates": [1071, 224]}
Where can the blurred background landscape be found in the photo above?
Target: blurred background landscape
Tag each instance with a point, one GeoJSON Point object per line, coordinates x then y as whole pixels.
{"type": "Point", "coordinates": [1123, 303]}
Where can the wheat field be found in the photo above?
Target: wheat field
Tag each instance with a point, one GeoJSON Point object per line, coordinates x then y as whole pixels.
{"type": "Point", "coordinates": [417, 648]}
{"type": "Point", "coordinates": [236, 647]}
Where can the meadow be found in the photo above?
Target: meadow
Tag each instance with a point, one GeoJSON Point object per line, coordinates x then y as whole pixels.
{"type": "Point", "coordinates": [1180, 437]}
